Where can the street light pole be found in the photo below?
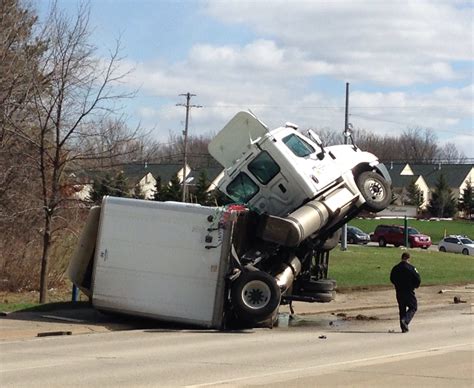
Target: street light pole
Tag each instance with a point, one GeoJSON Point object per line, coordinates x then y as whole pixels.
{"type": "Point", "coordinates": [346, 136]}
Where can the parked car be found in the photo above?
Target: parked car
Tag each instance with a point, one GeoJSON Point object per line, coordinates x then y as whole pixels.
{"type": "Point", "coordinates": [356, 235]}
{"type": "Point", "coordinates": [457, 244]}
{"type": "Point", "coordinates": [394, 234]}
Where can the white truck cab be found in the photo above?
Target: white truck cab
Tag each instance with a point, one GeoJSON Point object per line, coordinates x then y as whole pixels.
{"type": "Point", "coordinates": [277, 171]}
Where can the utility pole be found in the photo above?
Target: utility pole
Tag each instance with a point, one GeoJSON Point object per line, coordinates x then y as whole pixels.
{"type": "Point", "coordinates": [185, 133]}
{"type": "Point", "coordinates": [346, 137]}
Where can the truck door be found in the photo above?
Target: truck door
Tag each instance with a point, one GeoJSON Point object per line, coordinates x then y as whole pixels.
{"type": "Point", "coordinates": [274, 186]}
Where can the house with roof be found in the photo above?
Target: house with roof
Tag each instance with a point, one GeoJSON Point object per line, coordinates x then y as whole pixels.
{"type": "Point", "coordinates": [426, 176]}
{"type": "Point", "coordinates": [145, 176]}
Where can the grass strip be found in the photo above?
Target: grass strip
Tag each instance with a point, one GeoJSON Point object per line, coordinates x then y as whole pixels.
{"type": "Point", "coordinates": [370, 266]}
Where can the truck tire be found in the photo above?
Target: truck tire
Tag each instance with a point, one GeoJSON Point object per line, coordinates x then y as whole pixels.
{"type": "Point", "coordinates": [255, 296]}
{"type": "Point", "coordinates": [322, 297]}
{"type": "Point", "coordinates": [321, 285]}
{"type": "Point", "coordinates": [375, 190]}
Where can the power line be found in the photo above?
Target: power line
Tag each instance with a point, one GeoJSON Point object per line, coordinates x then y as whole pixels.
{"type": "Point", "coordinates": [324, 106]}
{"type": "Point", "coordinates": [333, 106]}
{"type": "Point", "coordinates": [408, 124]}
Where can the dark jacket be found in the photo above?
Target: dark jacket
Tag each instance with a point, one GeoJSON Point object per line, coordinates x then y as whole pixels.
{"type": "Point", "coordinates": [405, 277]}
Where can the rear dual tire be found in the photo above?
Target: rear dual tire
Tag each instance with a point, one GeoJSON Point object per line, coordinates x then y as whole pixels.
{"type": "Point", "coordinates": [321, 285]}
{"type": "Point", "coordinates": [321, 297]}
{"type": "Point", "coordinates": [321, 290]}
{"type": "Point", "coordinates": [255, 296]}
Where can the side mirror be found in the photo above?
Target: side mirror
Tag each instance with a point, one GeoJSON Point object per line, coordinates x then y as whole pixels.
{"type": "Point", "coordinates": [314, 137]}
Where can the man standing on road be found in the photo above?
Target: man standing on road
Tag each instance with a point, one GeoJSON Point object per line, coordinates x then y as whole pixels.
{"type": "Point", "coordinates": [405, 278]}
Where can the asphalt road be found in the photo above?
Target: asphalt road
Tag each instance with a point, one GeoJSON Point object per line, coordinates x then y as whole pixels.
{"type": "Point", "coordinates": [316, 350]}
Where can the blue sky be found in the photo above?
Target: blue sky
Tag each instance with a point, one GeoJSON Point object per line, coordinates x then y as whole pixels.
{"type": "Point", "coordinates": [409, 63]}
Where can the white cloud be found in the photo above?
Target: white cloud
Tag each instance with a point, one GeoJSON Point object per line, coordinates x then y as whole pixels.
{"type": "Point", "coordinates": [385, 44]}
{"type": "Point", "coordinates": [402, 42]}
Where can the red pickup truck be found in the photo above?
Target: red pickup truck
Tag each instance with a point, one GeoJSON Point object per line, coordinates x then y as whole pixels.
{"type": "Point", "coordinates": [394, 234]}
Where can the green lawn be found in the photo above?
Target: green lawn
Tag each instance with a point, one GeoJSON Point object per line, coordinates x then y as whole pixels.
{"type": "Point", "coordinates": [6, 306]}
{"type": "Point", "coordinates": [371, 266]}
{"type": "Point", "coordinates": [434, 229]}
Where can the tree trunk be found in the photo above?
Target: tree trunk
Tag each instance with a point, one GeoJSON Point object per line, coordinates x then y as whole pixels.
{"type": "Point", "coordinates": [45, 258]}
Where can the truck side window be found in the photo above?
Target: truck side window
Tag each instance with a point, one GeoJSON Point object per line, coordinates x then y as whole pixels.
{"type": "Point", "coordinates": [264, 168]}
{"type": "Point", "coordinates": [242, 188]}
{"type": "Point", "coordinates": [298, 146]}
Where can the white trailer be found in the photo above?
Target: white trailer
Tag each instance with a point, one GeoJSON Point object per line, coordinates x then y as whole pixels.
{"type": "Point", "coordinates": [161, 260]}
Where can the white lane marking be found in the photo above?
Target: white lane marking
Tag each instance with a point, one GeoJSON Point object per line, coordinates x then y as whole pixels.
{"type": "Point", "coordinates": [37, 366]}
{"type": "Point", "coordinates": [340, 363]}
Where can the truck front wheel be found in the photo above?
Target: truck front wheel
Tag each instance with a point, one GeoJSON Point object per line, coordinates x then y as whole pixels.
{"type": "Point", "coordinates": [375, 190]}
{"type": "Point", "coordinates": [255, 296]}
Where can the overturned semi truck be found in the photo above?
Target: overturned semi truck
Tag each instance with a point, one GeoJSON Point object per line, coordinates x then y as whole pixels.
{"type": "Point", "coordinates": [236, 264]}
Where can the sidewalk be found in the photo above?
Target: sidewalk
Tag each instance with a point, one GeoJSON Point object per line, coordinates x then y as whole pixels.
{"type": "Point", "coordinates": [27, 325]}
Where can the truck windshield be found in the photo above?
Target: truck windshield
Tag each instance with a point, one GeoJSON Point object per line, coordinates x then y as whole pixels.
{"type": "Point", "coordinates": [298, 146]}
{"type": "Point", "coordinates": [264, 168]}
{"type": "Point", "coordinates": [242, 188]}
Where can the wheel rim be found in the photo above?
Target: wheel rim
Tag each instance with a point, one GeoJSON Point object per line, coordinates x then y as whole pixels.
{"type": "Point", "coordinates": [374, 190]}
{"type": "Point", "coordinates": [465, 252]}
{"type": "Point", "coordinates": [256, 294]}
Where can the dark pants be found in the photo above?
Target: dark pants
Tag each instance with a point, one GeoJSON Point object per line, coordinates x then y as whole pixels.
{"type": "Point", "coordinates": [407, 305]}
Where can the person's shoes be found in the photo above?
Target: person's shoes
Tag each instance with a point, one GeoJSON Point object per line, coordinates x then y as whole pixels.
{"type": "Point", "coordinates": [404, 326]}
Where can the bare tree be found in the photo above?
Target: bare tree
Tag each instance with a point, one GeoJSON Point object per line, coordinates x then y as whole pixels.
{"type": "Point", "coordinates": [172, 150]}
{"type": "Point", "coordinates": [329, 136]}
{"type": "Point", "coordinates": [109, 142]}
{"type": "Point", "coordinates": [72, 92]}
{"type": "Point", "coordinates": [419, 145]}
{"type": "Point", "coordinates": [450, 154]}
{"type": "Point", "coordinates": [20, 53]}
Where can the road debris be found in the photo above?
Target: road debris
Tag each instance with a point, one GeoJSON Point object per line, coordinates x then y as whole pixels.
{"type": "Point", "coordinates": [53, 333]}
{"type": "Point", "coordinates": [468, 291]}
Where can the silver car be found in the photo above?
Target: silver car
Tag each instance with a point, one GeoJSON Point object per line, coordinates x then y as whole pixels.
{"type": "Point", "coordinates": [457, 244]}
